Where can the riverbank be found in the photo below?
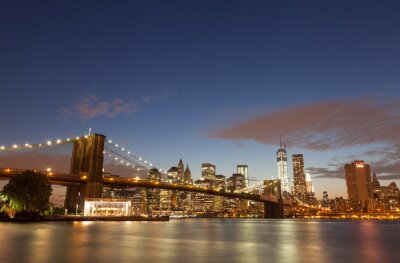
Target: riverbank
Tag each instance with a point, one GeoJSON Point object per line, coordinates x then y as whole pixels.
{"type": "Point", "coordinates": [84, 218]}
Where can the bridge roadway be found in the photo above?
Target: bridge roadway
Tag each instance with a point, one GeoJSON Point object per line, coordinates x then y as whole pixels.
{"type": "Point", "coordinates": [68, 179]}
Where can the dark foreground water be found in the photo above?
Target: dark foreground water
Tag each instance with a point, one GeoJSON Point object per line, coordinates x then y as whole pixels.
{"type": "Point", "coordinates": [202, 240]}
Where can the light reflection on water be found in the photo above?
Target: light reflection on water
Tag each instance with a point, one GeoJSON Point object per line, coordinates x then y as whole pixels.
{"type": "Point", "coordinates": [202, 240]}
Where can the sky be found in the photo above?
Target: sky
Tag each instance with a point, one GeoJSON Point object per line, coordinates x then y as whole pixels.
{"type": "Point", "coordinates": [209, 81]}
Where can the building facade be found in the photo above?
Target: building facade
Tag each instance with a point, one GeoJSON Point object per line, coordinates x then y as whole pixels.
{"type": "Point", "coordinates": [358, 182]}
{"type": "Point", "coordinates": [243, 169]}
{"type": "Point", "coordinates": [281, 158]}
{"type": "Point", "coordinates": [299, 177]}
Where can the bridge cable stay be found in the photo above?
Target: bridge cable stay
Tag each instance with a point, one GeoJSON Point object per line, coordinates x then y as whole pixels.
{"type": "Point", "coordinates": [123, 160]}
{"type": "Point", "coordinates": [130, 153]}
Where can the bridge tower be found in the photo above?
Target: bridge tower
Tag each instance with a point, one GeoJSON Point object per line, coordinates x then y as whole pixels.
{"type": "Point", "coordinates": [86, 162]}
{"type": "Point", "coordinates": [273, 210]}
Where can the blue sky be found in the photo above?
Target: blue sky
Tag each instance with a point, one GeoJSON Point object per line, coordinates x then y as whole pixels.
{"type": "Point", "coordinates": [164, 77]}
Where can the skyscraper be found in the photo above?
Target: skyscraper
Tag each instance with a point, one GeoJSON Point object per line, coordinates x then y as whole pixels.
{"type": "Point", "coordinates": [281, 158]}
{"type": "Point", "coordinates": [310, 188]}
{"type": "Point", "coordinates": [358, 182]}
{"type": "Point", "coordinates": [300, 186]}
{"type": "Point", "coordinates": [243, 169]}
{"type": "Point", "coordinates": [208, 171]}
{"type": "Point", "coordinates": [325, 202]}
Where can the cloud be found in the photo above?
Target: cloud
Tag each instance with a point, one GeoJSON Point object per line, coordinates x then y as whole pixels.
{"type": "Point", "coordinates": [389, 177]}
{"type": "Point", "coordinates": [322, 125]}
{"type": "Point", "coordinates": [90, 106]}
{"type": "Point", "coordinates": [319, 172]}
{"type": "Point", "coordinates": [329, 125]}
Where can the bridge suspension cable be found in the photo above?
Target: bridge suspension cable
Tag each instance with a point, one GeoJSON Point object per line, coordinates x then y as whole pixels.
{"type": "Point", "coordinates": [48, 143]}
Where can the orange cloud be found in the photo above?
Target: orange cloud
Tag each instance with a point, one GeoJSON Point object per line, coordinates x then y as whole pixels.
{"type": "Point", "coordinates": [322, 125]}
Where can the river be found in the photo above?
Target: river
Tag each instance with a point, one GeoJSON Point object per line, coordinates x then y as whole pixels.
{"type": "Point", "coordinates": [202, 240]}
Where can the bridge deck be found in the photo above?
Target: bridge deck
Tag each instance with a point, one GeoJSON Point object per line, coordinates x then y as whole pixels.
{"type": "Point", "coordinates": [68, 179]}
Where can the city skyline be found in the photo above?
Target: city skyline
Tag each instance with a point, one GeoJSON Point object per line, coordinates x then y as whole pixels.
{"type": "Point", "coordinates": [207, 83]}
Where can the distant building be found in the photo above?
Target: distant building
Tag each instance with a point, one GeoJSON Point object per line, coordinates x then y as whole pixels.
{"type": "Point", "coordinates": [208, 171]}
{"type": "Point", "coordinates": [180, 175]}
{"type": "Point", "coordinates": [188, 175]}
{"type": "Point", "coordinates": [236, 182]}
{"type": "Point", "coordinates": [173, 174]}
{"type": "Point", "coordinates": [153, 203]}
{"type": "Point", "coordinates": [309, 185]}
{"type": "Point", "coordinates": [220, 182]}
{"type": "Point", "coordinates": [202, 201]}
{"type": "Point", "coordinates": [299, 177]}
{"type": "Point", "coordinates": [358, 182]}
{"type": "Point", "coordinates": [386, 198]}
{"type": "Point", "coordinates": [243, 169]}
{"type": "Point", "coordinates": [281, 158]}
{"type": "Point", "coordinates": [325, 203]}
{"type": "Point", "coordinates": [375, 182]}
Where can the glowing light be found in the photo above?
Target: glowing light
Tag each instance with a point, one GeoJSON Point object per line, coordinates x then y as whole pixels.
{"type": "Point", "coordinates": [58, 141]}
{"type": "Point", "coordinates": [140, 158]}
{"type": "Point", "coordinates": [77, 137]}
{"type": "Point", "coordinates": [49, 143]}
{"type": "Point", "coordinates": [109, 141]}
{"type": "Point", "coordinates": [68, 139]}
{"type": "Point", "coordinates": [123, 149]}
{"type": "Point", "coordinates": [15, 146]}
{"type": "Point", "coordinates": [116, 145]}
{"type": "Point", "coordinates": [48, 169]}
{"type": "Point", "coordinates": [2, 148]}
{"type": "Point", "coordinates": [359, 164]}
{"type": "Point", "coordinates": [129, 152]}
{"type": "Point", "coordinates": [26, 144]}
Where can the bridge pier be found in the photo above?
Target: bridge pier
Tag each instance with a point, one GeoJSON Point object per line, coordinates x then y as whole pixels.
{"type": "Point", "coordinates": [273, 210]}
{"type": "Point", "coordinates": [86, 162]}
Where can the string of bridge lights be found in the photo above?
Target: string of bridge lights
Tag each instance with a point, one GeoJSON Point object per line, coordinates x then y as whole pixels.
{"type": "Point", "coordinates": [47, 143]}
{"type": "Point", "coordinates": [129, 153]}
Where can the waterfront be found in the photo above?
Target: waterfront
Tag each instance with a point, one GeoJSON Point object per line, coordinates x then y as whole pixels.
{"type": "Point", "coordinates": [202, 240]}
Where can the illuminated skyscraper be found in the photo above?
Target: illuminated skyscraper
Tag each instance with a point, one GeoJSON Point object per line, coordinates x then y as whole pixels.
{"type": "Point", "coordinates": [243, 169]}
{"type": "Point", "coordinates": [281, 158]}
{"type": "Point", "coordinates": [300, 186]}
{"type": "Point", "coordinates": [358, 182]}
{"type": "Point", "coordinates": [310, 188]}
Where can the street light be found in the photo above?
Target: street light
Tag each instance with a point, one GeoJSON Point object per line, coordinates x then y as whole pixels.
{"type": "Point", "coordinates": [77, 204]}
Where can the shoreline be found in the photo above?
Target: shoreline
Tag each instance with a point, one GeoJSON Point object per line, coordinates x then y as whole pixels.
{"type": "Point", "coordinates": [85, 218]}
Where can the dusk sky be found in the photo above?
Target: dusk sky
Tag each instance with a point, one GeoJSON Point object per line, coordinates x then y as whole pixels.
{"type": "Point", "coordinates": [210, 81]}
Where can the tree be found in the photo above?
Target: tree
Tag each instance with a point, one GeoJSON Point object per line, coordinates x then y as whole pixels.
{"type": "Point", "coordinates": [29, 191]}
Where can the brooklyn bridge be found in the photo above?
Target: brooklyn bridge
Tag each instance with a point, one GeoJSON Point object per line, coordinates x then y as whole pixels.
{"type": "Point", "coordinates": [86, 178]}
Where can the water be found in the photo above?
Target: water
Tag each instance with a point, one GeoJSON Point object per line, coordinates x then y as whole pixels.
{"type": "Point", "coordinates": [202, 240]}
